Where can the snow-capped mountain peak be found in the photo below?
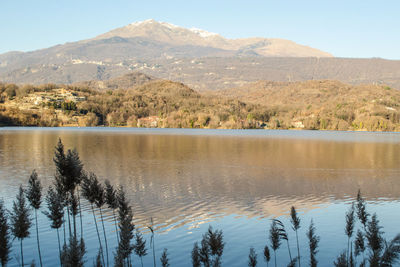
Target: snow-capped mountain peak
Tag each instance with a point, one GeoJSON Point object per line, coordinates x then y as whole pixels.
{"type": "Point", "coordinates": [203, 33]}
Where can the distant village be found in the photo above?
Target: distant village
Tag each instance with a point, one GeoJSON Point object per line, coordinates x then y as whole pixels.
{"type": "Point", "coordinates": [46, 98]}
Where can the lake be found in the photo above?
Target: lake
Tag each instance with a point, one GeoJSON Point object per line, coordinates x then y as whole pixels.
{"type": "Point", "coordinates": [233, 180]}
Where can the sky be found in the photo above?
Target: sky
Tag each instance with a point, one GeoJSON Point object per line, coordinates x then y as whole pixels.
{"type": "Point", "coordinates": [344, 28]}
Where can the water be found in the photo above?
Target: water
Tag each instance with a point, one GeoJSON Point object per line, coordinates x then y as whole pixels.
{"type": "Point", "coordinates": [234, 180]}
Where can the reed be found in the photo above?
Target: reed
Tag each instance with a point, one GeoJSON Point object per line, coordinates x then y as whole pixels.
{"type": "Point", "coordinates": [292, 263]}
{"type": "Point", "coordinates": [391, 252]}
{"type": "Point", "coordinates": [73, 254]}
{"type": "Point", "coordinates": [349, 229]}
{"type": "Point", "coordinates": [140, 246]}
{"type": "Point", "coordinates": [359, 245]}
{"type": "Point", "coordinates": [341, 260]}
{"type": "Point", "coordinates": [196, 261]}
{"type": "Point", "coordinates": [97, 262]}
{"type": "Point", "coordinates": [284, 236]}
{"type": "Point", "coordinates": [20, 220]}
{"type": "Point", "coordinates": [295, 220]}
{"type": "Point", "coordinates": [252, 258]}
{"type": "Point", "coordinates": [34, 196]}
{"type": "Point", "coordinates": [55, 206]}
{"type": "Point", "coordinates": [275, 238]}
{"type": "Point", "coordinates": [152, 241]}
{"type": "Point", "coordinates": [216, 244]}
{"type": "Point", "coordinates": [112, 203]}
{"type": "Point", "coordinates": [126, 228]}
{"type": "Point", "coordinates": [267, 255]}
{"type": "Point", "coordinates": [313, 241]}
{"type": "Point", "coordinates": [5, 238]}
{"type": "Point", "coordinates": [69, 174]}
{"type": "Point", "coordinates": [211, 249]}
{"type": "Point", "coordinates": [362, 213]}
{"type": "Point", "coordinates": [164, 258]}
{"type": "Point", "coordinates": [99, 199]}
{"type": "Point", "coordinates": [204, 252]}
{"type": "Point", "coordinates": [375, 240]}
{"type": "Point", "coordinates": [88, 192]}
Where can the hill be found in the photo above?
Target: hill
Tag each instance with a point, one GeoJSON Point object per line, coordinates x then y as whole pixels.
{"type": "Point", "coordinates": [324, 105]}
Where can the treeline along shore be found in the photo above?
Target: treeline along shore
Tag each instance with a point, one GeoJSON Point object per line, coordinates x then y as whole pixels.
{"type": "Point", "coordinates": [136, 100]}
{"type": "Point", "coordinates": [72, 185]}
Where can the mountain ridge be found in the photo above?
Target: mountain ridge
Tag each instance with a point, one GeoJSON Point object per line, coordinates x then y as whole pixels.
{"type": "Point", "coordinates": [203, 60]}
{"type": "Point", "coordinates": [177, 35]}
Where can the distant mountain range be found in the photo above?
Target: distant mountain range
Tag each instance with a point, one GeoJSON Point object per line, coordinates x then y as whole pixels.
{"type": "Point", "coordinates": [203, 60]}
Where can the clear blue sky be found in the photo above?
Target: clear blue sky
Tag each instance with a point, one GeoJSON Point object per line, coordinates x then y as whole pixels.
{"type": "Point", "coordinates": [345, 28]}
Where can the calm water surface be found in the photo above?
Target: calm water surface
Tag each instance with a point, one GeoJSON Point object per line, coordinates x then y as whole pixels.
{"type": "Point", "coordinates": [234, 180]}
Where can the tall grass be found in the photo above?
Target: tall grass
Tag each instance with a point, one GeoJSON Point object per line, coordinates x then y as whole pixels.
{"type": "Point", "coordinates": [20, 220]}
{"type": "Point", "coordinates": [88, 193]}
{"type": "Point", "coordinates": [349, 229]}
{"type": "Point", "coordinates": [295, 220]}
{"type": "Point", "coordinates": [274, 238]}
{"type": "Point", "coordinates": [112, 203]}
{"type": "Point", "coordinates": [56, 213]}
{"type": "Point", "coordinates": [5, 238]}
{"type": "Point", "coordinates": [211, 249]}
{"type": "Point", "coordinates": [252, 258]}
{"type": "Point", "coordinates": [267, 256]}
{"type": "Point", "coordinates": [126, 228]}
{"type": "Point", "coordinates": [164, 258]}
{"type": "Point", "coordinates": [313, 241]}
{"type": "Point", "coordinates": [140, 246]}
{"type": "Point", "coordinates": [34, 196]}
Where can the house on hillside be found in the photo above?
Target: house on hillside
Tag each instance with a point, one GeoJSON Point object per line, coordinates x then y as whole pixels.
{"type": "Point", "coordinates": [148, 122]}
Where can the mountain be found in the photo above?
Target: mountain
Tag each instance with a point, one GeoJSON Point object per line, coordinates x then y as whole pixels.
{"type": "Point", "coordinates": [179, 36]}
{"type": "Point", "coordinates": [198, 58]}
